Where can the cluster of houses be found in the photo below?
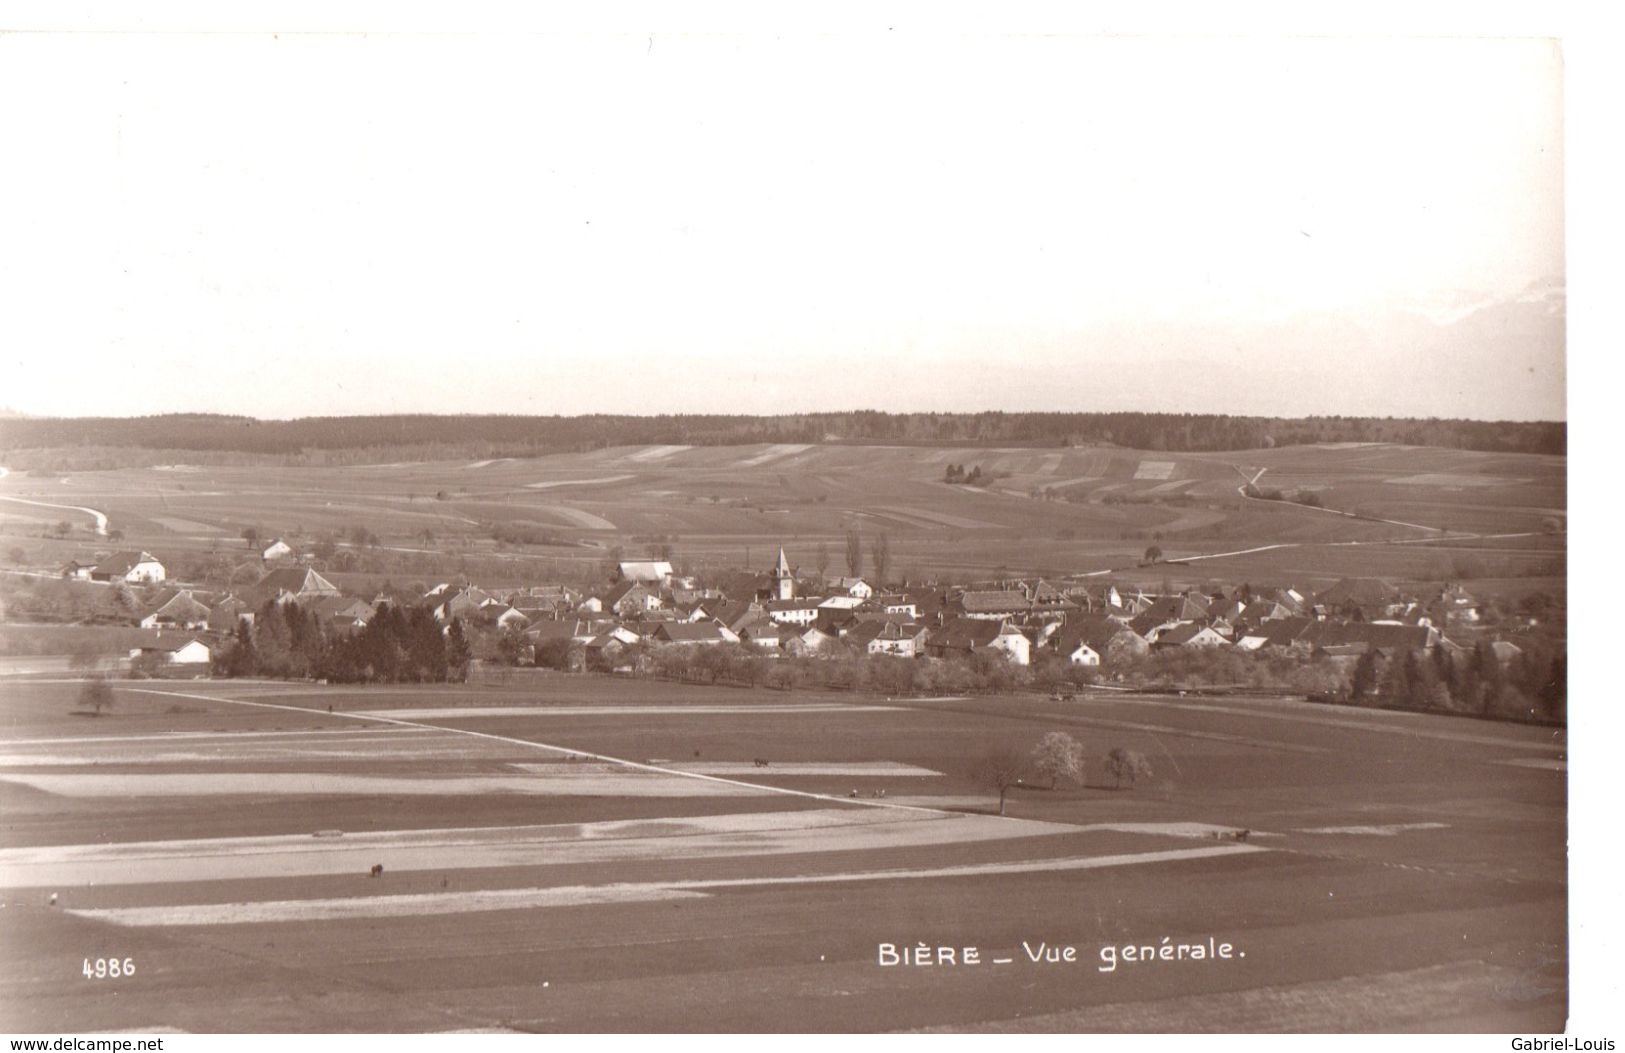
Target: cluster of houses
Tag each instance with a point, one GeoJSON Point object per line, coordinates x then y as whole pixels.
{"type": "Point", "coordinates": [1085, 622]}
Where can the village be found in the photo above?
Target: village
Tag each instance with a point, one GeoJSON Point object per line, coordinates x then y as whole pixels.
{"type": "Point", "coordinates": [1359, 640]}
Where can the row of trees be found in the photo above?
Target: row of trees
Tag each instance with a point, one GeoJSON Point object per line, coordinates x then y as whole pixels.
{"type": "Point", "coordinates": [1533, 685]}
{"type": "Point", "coordinates": [509, 436]}
{"type": "Point", "coordinates": [1301, 496]}
{"type": "Point", "coordinates": [879, 552]}
{"type": "Point", "coordinates": [399, 645]}
{"type": "Point", "coordinates": [1058, 757]}
{"type": "Point", "coordinates": [984, 672]}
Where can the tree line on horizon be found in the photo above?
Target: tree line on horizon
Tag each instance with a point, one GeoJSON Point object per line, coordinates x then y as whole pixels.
{"type": "Point", "coordinates": [522, 436]}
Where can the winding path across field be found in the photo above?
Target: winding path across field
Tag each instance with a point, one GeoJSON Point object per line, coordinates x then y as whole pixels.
{"type": "Point", "coordinates": [99, 517]}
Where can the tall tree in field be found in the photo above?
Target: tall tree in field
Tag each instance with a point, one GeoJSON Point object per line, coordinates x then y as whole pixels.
{"type": "Point", "coordinates": [854, 553]}
{"type": "Point", "coordinates": [1059, 756]}
{"type": "Point", "coordinates": [96, 695]}
{"type": "Point", "coordinates": [1127, 764]}
{"type": "Point", "coordinates": [880, 548]}
{"type": "Point", "coordinates": [1487, 676]}
{"type": "Point", "coordinates": [1554, 692]}
{"type": "Point", "coordinates": [458, 652]}
{"type": "Point", "coordinates": [1001, 770]}
{"type": "Point", "coordinates": [1397, 687]}
{"type": "Point", "coordinates": [822, 556]}
{"type": "Point", "coordinates": [1364, 680]}
{"type": "Point", "coordinates": [1444, 670]}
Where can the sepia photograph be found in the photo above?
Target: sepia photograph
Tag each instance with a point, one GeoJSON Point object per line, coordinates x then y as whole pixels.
{"type": "Point", "coordinates": [886, 526]}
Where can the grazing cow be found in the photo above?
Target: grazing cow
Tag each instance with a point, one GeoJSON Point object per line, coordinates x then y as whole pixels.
{"type": "Point", "coordinates": [377, 869]}
{"type": "Point", "coordinates": [760, 763]}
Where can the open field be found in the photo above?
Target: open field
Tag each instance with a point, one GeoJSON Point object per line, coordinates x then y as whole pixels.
{"type": "Point", "coordinates": [1050, 511]}
{"type": "Point", "coordinates": [1401, 872]}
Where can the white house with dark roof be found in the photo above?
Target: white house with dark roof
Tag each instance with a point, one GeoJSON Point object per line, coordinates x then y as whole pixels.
{"type": "Point", "coordinates": [851, 587]}
{"type": "Point", "coordinates": [970, 635]}
{"type": "Point", "coordinates": [180, 611]}
{"type": "Point", "coordinates": [645, 571]}
{"type": "Point", "coordinates": [137, 568]}
{"type": "Point", "coordinates": [294, 584]}
{"type": "Point", "coordinates": [792, 612]}
{"type": "Point", "coordinates": [76, 570]}
{"type": "Point", "coordinates": [174, 649]}
{"type": "Point", "coordinates": [993, 604]}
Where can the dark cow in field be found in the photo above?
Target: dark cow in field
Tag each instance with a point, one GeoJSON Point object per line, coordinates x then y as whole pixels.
{"type": "Point", "coordinates": [377, 869]}
{"type": "Point", "coordinates": [760, 762]}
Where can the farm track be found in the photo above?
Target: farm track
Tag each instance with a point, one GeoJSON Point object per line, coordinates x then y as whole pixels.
{"type": "Point", "coordinates": [935, 528]}
{"type": "Point", "coordinates": [99, 517]}
{"type": "Point", "coordinates": [368, 717]}
{"type": "Point", "coordinates": [1436, 535]}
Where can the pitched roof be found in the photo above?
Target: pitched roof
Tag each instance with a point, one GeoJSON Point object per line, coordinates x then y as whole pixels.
{"type": "Point", "coordinates": [565, 629]}
{"type": "Point", "coordinates": [619, 592]}
{"type": "Point", "coordinates": [863, 633]}
{"type": "Point", "coordinates": [994, 601]}
{"type": "Point", "coordinates": [1094, 630]}
{"type": "Point", "coordinates": [690, 632]}
{"type": "Point", "coordinates": [1183, 633]}
{"type": "Point", "coordinates": [298, 580]}
{"type": "Point", "coordinates": [1280, 632]}
{"type": "Point", "coordinates": [1264, 610]}
{"type": "Point", "coordinates": [122, 563]}
{"type": "Point", "coordinates": [1374, 634]}
{"type": "Point", "coordinates": [1181, 608]}
{"type": "Point", "coordinates": [645, 570]}
{"type": "Point", "coordinates": [182, 605]}
{"type": "Point", "coordinates": [966, 633]}
{"type": "Point", "coordinates": [1368, 591]}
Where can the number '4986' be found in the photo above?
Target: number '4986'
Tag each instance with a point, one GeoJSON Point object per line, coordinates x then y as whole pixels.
{"type": "Point", "coordinates": [108, 968]}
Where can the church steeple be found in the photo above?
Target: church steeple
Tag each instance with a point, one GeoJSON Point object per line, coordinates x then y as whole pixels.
{"type": "Point", "coordinates": [784, 579]}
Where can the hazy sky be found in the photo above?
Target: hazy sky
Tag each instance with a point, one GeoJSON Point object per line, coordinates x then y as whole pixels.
{"type": "Point", "coordinates": [286, 225]}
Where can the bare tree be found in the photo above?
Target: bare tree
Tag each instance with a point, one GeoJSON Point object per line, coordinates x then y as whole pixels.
{"type": "Point", "coordinates": [1001, 770]}
{"type": "Point", "coordinates": [881, 550]}
{"type": "Point", "coordinates": [1059, 755]}
{"type": "Point", "coordinates": [823, 559]}
{"type": "Point", "coordinates": [854, 552]}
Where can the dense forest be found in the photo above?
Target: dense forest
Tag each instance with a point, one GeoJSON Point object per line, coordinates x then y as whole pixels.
{"type": "Point", "coordinates": [349, 439]}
